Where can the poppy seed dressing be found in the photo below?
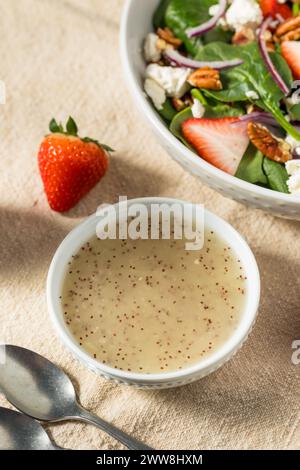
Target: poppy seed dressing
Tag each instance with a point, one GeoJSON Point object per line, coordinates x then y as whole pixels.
{"type": "Point", "coordinates": [150, 306]}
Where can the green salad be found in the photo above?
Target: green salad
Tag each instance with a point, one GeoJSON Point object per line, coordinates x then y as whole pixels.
{"type": "Point", "coordinates": [223, 77]}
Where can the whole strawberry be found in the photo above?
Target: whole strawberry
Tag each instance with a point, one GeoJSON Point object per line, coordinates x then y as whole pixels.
{"type": "Point", "coordinates": [70, 166]}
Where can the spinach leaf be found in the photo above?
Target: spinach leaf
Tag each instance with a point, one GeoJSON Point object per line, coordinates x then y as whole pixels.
{"type": "Point", "coordinates": [252, 75]}
{"type": "Point", "coordinates": [159, 15]}
{"type": "Point", "coordinates": [294, 112]}
{"type": "Point", "coordinates": [168, 111]}
{"type": "Point", "coordinates": [178, 120]}
{"type": "Point", "coordinates": [276, 174]}
{"type": "Point", "coordinates": [217, 34]}
{"type": "Point", "coordinates": [184, 14]}
{"type": "Point", "coordinates": [215, 109]}
{"type": "Point", "coordinates": [251, 167]}
{"type": "Point", "coordinates": [222, 110]}
{"type": "Point", "coordinates": [258, 169]}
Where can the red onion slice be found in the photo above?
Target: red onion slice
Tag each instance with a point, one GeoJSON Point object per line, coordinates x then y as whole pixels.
{"type": "Point", "coordinates": [279, 18]}
{"type": "Point", "coordinates": [257, 116]}
{"type": "Point", "coordinates": [265, 55]}
{"type": "Point", "coordinates": [177, 59]}
{"type": "Point", "coordinates": [210, 24]}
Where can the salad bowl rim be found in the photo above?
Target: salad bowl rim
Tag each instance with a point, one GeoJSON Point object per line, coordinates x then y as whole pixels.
{"type": "Point", "coordinates": [152, 116]}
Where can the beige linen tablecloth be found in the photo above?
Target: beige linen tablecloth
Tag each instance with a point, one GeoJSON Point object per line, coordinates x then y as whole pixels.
{"type": "Point", "coordinates": [60, 57]}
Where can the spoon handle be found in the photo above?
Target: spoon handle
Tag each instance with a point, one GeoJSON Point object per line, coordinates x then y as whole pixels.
{"type": "Point", "coordinates": [55, 447]}
{"type": "Point", "coordinates": [128, 441]}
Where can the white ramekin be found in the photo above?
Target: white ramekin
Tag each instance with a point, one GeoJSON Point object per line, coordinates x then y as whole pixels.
{"type": "Point", "coordinates": [84, 232]}
{"type": "Point", "coordinates": [136, 23]}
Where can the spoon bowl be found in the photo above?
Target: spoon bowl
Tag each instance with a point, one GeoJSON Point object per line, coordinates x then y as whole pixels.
{"type": "Point", "coordinates": [35, 386]}
{"type": "Point", "coordinates": [40, 389]}
{"type": "Point", "coordinates": [19, 432]}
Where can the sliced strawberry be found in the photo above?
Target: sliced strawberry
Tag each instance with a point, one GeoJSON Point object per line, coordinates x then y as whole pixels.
{"type": "Point", "coordinates": [267, 6]}
{"type": "Point", "coordinates": [291, 52]}
{"type": "Point", "coordinates": [217, 141]}
{"type": "Point", "coordinates": [283, 10]}
{"type": "Point", "coordinates": [273, 8]}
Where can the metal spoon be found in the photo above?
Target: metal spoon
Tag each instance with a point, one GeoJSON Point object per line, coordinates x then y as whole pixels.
{"type": "Point", "coordinates": [43, 391]}
{"type": "Point", "coordinates": [19, 432]}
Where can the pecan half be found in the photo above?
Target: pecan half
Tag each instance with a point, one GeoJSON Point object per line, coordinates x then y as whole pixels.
{"type": "Point", "coordinates": [207, 78]}
{"type": "Point", "coordinates": [167, 35]}
{"type": "Point", "coordinates": [289, 30]}
{"type": "Point", "coordinates": [273, 147]}
{"type": "Point", "coordinates": [291, 35]}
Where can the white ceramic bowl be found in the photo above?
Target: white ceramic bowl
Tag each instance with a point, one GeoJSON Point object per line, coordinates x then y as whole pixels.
{"type": "Point", "coordinates": [83, 233]}
{"type": "Point", "coordinates": [136, 23]}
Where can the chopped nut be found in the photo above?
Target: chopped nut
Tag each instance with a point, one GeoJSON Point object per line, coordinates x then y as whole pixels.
{"type": "Point", "coordinates": [276, 39]}
{"type": "Point", "coordinates": [291, 35]}
{"type": "Point", "coordinates": [273, 147]}
{"type": "Point", "coordinates": [181, 103]}
{"type": "Point", "coordinates": [178, 104]}
{"type": "Point", "coordinates": [167, 35]}
{"type": "Point", "coordinates": [288, 25]}
{"type": "Point", "coordinates": [243, 36]}
{"type": "Point", "coordinates": [269, 39]}
{"type": "Point", "coordinates": [270, 46]}
{"type": "Point", "coordinates": [268, 36]}
{"type": "Point", "coordinates": [289, 30]}
{"type": "Point", "coordinates": [252, 108]}
{"type": "Point", "coordinates": [162, 45]}
{"type": "Point", "coordinates": [207, 78]}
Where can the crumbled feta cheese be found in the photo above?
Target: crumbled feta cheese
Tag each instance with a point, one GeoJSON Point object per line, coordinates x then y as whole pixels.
{"type": "Point", "coordinates": [151, 52]}
{"type": "Point", "coordinates": [198, 110]}
{"type": "Point", "coordinates": [295, 144]}
{"type": "Point", "coordinates": [293, 169]}
{"type": "Point", "coordinates": [214, 9]}
{"type": "Point", "coordinates": [294, 98]}
{"type": "Point", "coordinates": [244, 13]}
{"type": "Point", "coordinates": [172, 79]}
{"type": "Point", "coordinates": [294, 184]}
{"type": "Point", "coordinates": [155, 92]}
{"type": "Point", "coordinates": [252, 95]}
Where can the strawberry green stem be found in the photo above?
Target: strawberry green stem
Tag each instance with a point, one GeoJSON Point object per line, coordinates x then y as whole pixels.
{"type": "Point", "coordinates": [72, 130]}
